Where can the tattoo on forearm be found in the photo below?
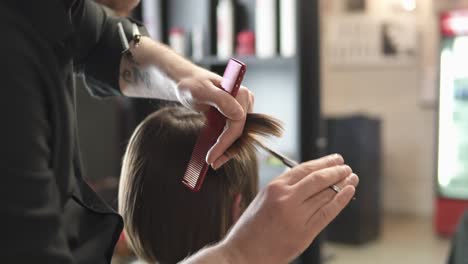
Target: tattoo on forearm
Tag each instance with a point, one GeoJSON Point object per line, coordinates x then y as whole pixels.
{"type": "Point", "coordinates": [134, 76]}
{"type": "Point", "coordinates": [126, 76]}
{"type": "Point", "coordinates": [146, 81]}
{"type": "Point", "coordinates": [142, 77]}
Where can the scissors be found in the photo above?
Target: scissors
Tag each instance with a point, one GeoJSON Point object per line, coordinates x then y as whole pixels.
{"type": "Point", "coordinates": [285, 160]}
{"type": "Point", "coordinates": [292, 163]}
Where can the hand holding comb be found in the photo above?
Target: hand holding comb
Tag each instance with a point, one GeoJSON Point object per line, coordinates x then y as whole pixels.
{"type": "Point", "coordinates": [197, 166]}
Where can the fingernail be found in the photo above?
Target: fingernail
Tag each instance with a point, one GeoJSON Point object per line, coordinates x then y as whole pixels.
{"type": "Point", "coordinates": [346, 168]}
{"type": "Point", "coordinates": [219, 162]}
{"type": "Point", "coordinates": [209, 158]}
{"type": "Point", "coordinates": [355, 176]}
{"type": "Point", "coordinates": [348, 179]}
{"type": "Point", "coordinates": [338, 158]}
{"type": "Point", "coordinates": [217, 165]}
{"type": "Point", "coordinates": [238, 113]}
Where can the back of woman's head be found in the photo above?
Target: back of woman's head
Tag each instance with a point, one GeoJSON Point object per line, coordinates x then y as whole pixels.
{"type": "Point", "coordinates": [164, 221]}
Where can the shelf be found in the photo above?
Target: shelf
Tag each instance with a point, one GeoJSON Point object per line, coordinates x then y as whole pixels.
{"type": "Point", "coordinates": [249, 60]}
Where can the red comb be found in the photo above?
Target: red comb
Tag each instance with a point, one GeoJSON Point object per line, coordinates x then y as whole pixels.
{"type": "Point", "coordinates": [197, 166]}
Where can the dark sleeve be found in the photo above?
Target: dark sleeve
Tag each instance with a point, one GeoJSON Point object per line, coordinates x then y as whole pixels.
{"type": "Point", "coordinates": [30, 216]}
{"type": "Point", "coordinates": [99, 49]}
{"type": "Point", "coordinates": [458, 250]}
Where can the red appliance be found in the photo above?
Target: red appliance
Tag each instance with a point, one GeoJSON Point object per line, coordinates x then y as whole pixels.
{"type": "Point", "coordinates": [452, 147]}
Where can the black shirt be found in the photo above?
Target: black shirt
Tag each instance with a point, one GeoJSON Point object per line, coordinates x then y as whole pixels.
{"type": "Point", "coordinates": [47, 212]}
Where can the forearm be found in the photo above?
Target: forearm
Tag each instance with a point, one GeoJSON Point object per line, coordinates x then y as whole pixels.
{"type": "Point", "coordinates": [153, 71]}
{"type": "Point", "coordinates": [151, 52]}
{"type": "Point", "coordinates": [216, 254]}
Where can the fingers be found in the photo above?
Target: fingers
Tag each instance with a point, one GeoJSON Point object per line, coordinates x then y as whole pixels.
{"type": "Point", "coordinates": [233, 108]}
{"type": "Point", "coordinates": [197, 93]}
{"type": "Point", "coordinates": [220, 161]}
{"type": "Point", "coordinates": [320, 180]}
{"type": "Point", "coordinates": [225, 103]}
{"type": "Point", "coordinates": [321, 218]}
{"type": "Point", "coordinates": [314, 203]}
{"type": "Point", "coordinates": [216, 79]}
{"type": "Point", "coordinates": [232, 131]}
{"type": "Point", "coordinates": [194, 93]}
{"type": "Point", "coordinates": [352, 179]}
{"type": "Point", "coordinates": [204, 89]}
{"type": "Point", "coordinates": [304, 169]}
{"type": "Point", "coordinates": [250, 97]}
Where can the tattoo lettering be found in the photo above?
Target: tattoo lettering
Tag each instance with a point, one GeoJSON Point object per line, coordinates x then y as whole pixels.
{"type": "Point", "coordinates": [133, 75]}
{"type": "Point", "coordinates": [142, 77]}
{"type": "Point", "coordinates": [127, 76]}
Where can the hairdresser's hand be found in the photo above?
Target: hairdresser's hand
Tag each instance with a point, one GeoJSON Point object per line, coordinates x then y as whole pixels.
{"type": "Point", "coordinates": [200, 91]}
{"type": "Point", "coordinates": [290, 212]}
{"type": "Point", "coordinates": [154, 71]}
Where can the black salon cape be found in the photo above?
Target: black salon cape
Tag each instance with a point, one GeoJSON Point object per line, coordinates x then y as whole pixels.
{"type": "Point", "coordinates": [48, 214]}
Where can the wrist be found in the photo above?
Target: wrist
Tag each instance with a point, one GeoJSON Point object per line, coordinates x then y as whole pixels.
{"type": "Point", "coordinates": [234, 252]}
{"type": "Point", "coordinates": [230, 253]}
{"type": "Point", "coordinates": [155, 53]}
{"type": "Point", "coordinates": [213, 254]}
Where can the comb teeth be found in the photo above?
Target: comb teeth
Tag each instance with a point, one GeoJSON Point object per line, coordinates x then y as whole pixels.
{"type": "Point", "coordinates": [197, 167]}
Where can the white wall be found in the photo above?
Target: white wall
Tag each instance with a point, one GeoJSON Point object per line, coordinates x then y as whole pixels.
{"type": "Point", "coordinates": [393, 93]}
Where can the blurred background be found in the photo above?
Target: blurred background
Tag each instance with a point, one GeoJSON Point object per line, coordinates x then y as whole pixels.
{"type": "Point", "coordinates": [383, 82]}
